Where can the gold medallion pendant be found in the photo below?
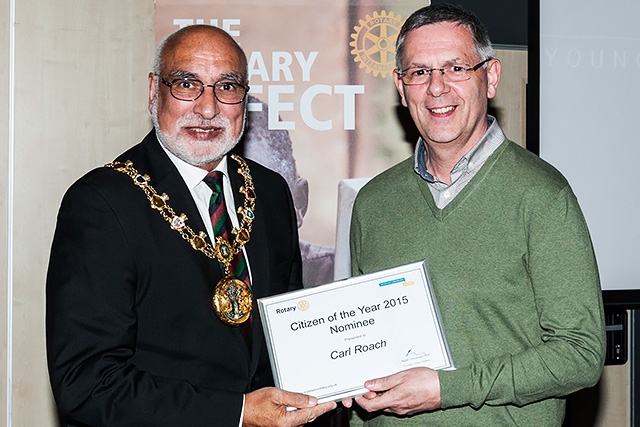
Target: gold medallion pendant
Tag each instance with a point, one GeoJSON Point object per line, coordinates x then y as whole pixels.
{"type": "Point", "coordinates": [232, 301]}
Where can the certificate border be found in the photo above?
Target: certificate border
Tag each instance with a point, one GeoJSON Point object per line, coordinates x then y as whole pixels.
{"type": "Point", "coordinates": [264, 303]}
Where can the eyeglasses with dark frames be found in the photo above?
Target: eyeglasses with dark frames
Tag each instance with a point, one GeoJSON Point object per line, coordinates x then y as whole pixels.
{"type": "Point", "coordinates": [453, 73]}
{"type": "Point", "coordinates": [225, 91]}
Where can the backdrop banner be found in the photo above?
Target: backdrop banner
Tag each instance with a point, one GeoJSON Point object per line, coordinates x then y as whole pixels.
{"type": "Point", "coordinates": [322, 105]}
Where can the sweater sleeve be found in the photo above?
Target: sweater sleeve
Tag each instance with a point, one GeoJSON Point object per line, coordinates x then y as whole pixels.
{"type": "Point", "coordinates": [570, 354]}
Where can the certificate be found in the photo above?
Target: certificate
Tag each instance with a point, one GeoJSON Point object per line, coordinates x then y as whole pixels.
{"type": "Point", "coordinates": [328, 340]}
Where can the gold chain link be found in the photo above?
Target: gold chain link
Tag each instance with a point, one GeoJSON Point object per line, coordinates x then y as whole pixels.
{"type": "Point", "coordinates": [223, 250]}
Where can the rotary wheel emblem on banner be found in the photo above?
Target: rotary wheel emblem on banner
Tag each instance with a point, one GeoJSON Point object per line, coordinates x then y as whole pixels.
{"type": "Point", "coordinates": [374, 42]}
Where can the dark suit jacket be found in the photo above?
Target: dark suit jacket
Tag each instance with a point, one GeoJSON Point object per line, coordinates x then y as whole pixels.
{"type": "Point", "coordinates": [132, 338]}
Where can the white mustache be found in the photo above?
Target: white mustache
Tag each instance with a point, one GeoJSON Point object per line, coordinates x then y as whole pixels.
{"type": "Point", "coordinates": [218, 122]}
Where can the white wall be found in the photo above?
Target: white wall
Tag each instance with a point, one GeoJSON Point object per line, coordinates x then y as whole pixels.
{"type": "Point", "coordinates": [589, 113]}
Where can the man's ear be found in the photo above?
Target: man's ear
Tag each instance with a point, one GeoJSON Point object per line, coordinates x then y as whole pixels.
{"type": "Point", "coordinates": [152, 90]}
{"type": "Point", "coordinates": [398, 81]}
{"type": "Point", "coordinates": [494, 71]}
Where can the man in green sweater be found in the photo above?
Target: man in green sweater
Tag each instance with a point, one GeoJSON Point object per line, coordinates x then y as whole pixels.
{"type": "Point", "coordinates": [506, 244]}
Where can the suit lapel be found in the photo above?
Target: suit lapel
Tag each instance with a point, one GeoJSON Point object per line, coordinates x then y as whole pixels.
{"type": "Point", "coordinates": [167, 179]}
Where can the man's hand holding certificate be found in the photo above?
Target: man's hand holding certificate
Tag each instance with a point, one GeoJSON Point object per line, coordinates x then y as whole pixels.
{"type": "Point", "coordinates": [328, 340]}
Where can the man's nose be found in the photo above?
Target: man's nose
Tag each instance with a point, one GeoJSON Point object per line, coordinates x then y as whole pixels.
{"type": "Point", "coordinates": [207, 105]}
{"type": "Point", "coordinates": [437, 84]}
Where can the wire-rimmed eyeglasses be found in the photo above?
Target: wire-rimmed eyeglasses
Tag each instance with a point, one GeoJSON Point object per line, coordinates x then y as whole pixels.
{"type": "Point", "coordinates": [452, 73]}
{"type": "Point", "coordinates": [225, 91]}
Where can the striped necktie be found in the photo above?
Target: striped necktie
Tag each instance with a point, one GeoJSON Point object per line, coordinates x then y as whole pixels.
{"type": "Point", "coordinates": [222, 227]}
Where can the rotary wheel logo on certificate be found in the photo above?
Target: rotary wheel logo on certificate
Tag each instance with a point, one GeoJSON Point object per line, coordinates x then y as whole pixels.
{"type": "Point", "coordinates": [374, 42]}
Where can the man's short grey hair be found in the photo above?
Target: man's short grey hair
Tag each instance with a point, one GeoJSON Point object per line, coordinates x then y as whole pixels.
{"type": "Point", "coordinates": [438, 13]}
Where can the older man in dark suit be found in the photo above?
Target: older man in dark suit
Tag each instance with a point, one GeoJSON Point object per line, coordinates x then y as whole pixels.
{"type": "Point", "coordinates": [149, 313]}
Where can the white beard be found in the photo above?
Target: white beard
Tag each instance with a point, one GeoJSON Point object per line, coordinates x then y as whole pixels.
{"type": "Point", "coordinates": [194, 152]}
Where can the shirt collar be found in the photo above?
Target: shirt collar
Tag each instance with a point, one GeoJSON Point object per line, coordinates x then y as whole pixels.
{"type": "Point", "coordinates": [193, 175]}
{"type": "Point", "coordinates": [492, 138]}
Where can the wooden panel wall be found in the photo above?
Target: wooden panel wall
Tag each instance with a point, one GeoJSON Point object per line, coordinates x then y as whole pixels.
{"type": "Point", "coordinates": [510, 103]}
{"type": "Point", "coordinates": [80, 84]}
{"type": "Point", "coordinates": [4, 163]}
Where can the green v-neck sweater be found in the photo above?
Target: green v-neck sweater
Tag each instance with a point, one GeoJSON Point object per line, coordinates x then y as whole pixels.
{"type": "Point", "coordinates": [516, 282]}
